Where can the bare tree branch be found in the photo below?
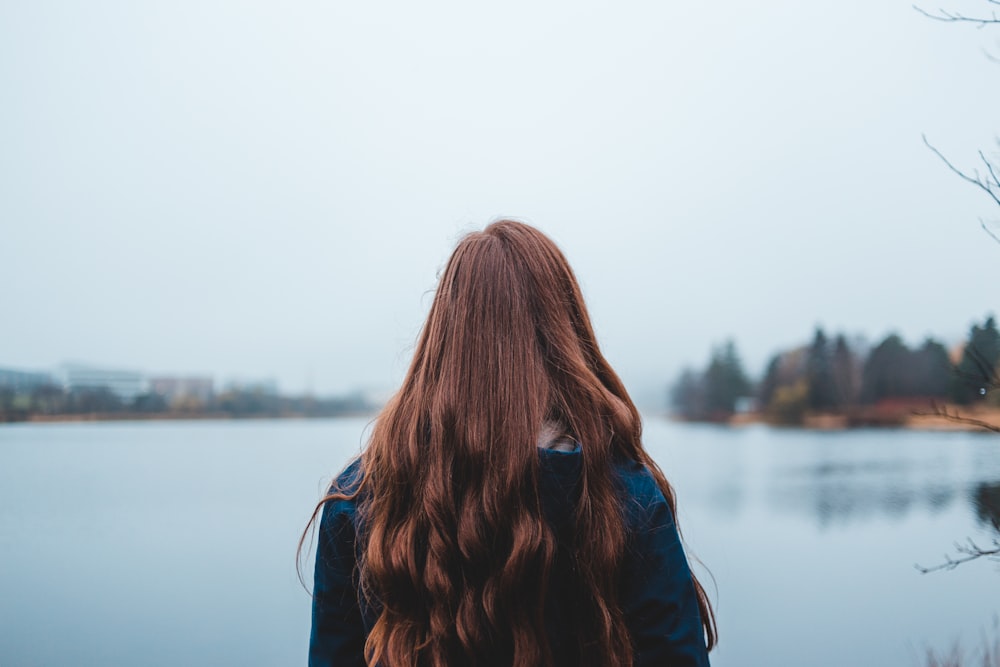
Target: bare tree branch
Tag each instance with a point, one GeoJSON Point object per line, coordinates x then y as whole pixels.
{"type": "Point", "coordinates": [990, 184]}
{"type": "Point", "coordinates": [969, 551]}
{"type": "Point", "coordinates": [992, 171]}
{"type": "Point", "coordinates": [953, 416]}
{"type": "Point", "coordinates": [955, 17]}
{"type": "Point", "coordinates": [982, 223]}
{"type": "Point", "coordinates": [977, 180]}
{"type": "Point", "coordinates": [987, 374]}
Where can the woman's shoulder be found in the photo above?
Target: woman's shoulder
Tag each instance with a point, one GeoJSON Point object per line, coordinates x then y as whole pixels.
{"type": "Point", "coordinates": [638, 480]}
{"type": "Point", "coordinates": [344, 490]}
{"type": "Point", "coordinates": [349, 479]}
{"type": "Point", "coordinates": [641, 493]}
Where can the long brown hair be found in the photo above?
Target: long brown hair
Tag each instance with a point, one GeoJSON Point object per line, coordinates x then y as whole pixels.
{"type": "Point", "coordinates": [455, 550]}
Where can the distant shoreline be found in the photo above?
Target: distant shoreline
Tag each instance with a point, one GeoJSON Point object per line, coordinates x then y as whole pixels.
{"type": "Point", "coordinates": [968, 419]}
{"type": "Point", "coordinates": [942, 418]}
{"type": "Point", "coordinates": [170, 417]}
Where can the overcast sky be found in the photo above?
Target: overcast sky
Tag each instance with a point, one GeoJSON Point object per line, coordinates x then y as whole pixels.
{"type": "Point", "coordinates": [269, 189]}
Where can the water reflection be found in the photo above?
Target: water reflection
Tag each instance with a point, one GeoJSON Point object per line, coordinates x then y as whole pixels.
{"type": "Point", "coordinates": [846, 489]}
{"type": "Point", "coordinates": [845, 500]}
{"type": "Point", "coordinates": [986, 502]}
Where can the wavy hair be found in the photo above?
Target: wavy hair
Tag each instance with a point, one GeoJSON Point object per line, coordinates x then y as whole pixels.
{"type": "Point", "coordinates": [455, 553]}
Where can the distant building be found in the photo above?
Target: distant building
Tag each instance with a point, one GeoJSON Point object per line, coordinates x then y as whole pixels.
{"type": "Point", "coordinates": [23, 381]}
{"type": "Point", "coordinates": [264, 387]}
{"type": "Point", "coordinates": [126, 385]}
{"type": "Point", "coordinates": [175, 389]}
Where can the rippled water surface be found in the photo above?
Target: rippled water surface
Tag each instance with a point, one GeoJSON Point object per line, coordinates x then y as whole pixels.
{"type": "Point", "coordinates": [174, 543]}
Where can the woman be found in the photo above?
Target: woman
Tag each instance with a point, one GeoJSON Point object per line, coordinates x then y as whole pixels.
{"type": "Point", "coordinates": [504, 511]}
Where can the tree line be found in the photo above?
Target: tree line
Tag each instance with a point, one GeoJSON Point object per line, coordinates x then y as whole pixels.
{"type": "Point", "coordinates": [843, 376]}
{"type": "Point", "coordinates": [49, 401]}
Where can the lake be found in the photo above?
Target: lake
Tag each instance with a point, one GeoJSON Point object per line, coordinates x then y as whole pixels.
{"type": "Point", "coordinates": [173, 543]}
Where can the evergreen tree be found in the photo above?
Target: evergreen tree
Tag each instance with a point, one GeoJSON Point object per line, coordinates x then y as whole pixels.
{"type": "Point", "coordinates": [688, 395]}
{"type": "Point", "coordinates": [976, 373]}
{"type": "Point", "coordinates": [846, 373]}
{"type": "Point", "coordinates": [771, 381]}
{"type": "Point", "coordinates": [885, 370]}
{"type": "Point", "coordinates": [725, 381]}
{"type": "Point", "coordinates": [930, 370]}
{"type": "Point", "coordinates": [895, 371]}
{"type": "Point", "coordinates": [822, 393]}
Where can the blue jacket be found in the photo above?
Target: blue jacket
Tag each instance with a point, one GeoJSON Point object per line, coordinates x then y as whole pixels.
{"type": "Point", "coordinates": [657, 592]}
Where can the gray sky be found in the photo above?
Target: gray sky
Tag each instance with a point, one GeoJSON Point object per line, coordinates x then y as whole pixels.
{"type": "Point", "coordinates": [269, 189]}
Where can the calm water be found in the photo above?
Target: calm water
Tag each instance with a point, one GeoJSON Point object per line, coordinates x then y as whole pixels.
{"type": "Point", "coordinates": [173, 543]}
